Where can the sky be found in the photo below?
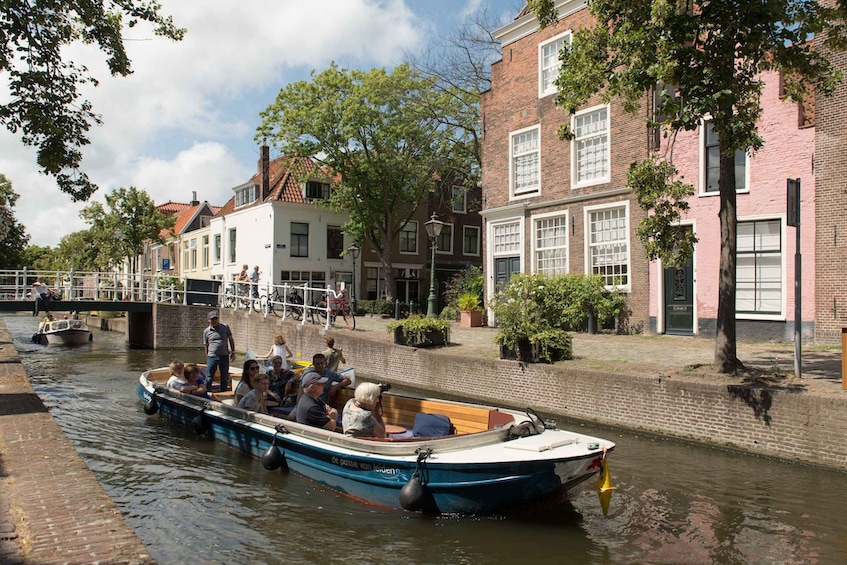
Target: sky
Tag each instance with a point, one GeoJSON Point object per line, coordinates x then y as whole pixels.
{"type": "Point", "coordinates": [185, 120]}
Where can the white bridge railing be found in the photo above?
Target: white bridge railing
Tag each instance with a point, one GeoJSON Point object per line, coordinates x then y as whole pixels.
{"type": "Point", "coordinates": [288, 300]}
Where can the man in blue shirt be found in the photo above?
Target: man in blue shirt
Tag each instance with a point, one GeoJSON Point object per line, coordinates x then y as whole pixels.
{"type": "Point", "coordinates": [334, 382]}
{"type": "Point", "coordinates": [220, 350]}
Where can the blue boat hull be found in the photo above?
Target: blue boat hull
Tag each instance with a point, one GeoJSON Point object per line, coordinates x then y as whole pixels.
{"type": "Point", "coordinates": [471, 488]}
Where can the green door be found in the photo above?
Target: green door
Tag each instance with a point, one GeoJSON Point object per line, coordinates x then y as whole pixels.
{"type": "Point", "coordinates": [679, 299]}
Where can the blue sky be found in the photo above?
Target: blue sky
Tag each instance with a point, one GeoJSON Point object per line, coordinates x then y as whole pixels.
{"type": "Point", "coordinates": [185, 120]}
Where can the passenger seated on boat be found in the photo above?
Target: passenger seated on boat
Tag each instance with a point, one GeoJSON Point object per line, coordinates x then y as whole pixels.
{"type": "Point", "coordinates": [192, 375]}
{"type": "Point", "coordinates": [177, 380]}
{"type": "Point", "coordinates": [334, 380]}
{"type": "Point", "coordinates": [249, 373]}
{"type": "Point", "coordinates": [311, 410]}
{"type": "Point", "coordinates": [256, 400]}
{"type": "Point", "coordinates": [362, 415]}
{"type": "Point", "coordinates": [283, 382]}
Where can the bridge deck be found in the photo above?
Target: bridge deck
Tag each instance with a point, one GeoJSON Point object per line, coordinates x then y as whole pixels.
{"type": "Point", "coordinates": [79, 305]}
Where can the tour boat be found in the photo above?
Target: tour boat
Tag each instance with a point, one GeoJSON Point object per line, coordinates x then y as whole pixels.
{"type": "Point", "coordinates": [496, 459]}
{"type": "Point", "coordinates": [63, 332]}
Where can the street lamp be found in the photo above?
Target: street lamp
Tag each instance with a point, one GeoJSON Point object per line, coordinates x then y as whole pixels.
{"type": "Point", "coordinates": [433, 230]}
{"type": "Point", "coordinates": [354, 251]}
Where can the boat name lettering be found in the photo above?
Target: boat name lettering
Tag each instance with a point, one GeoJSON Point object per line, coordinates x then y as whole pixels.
{"type": "Point", "coordinates": [351, 463]}
{"type": "Point", "coordinates": [385, 470]}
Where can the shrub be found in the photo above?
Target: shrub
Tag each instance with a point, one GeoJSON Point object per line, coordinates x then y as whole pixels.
{"type": "Point", "coordinates": [466, 281]}
{"type": "Point", "coordinates": [419, 326]}
{"type": "Point", "coordinates": [450, 313]}
{"type": "Point", "coordinates": [469, 302]}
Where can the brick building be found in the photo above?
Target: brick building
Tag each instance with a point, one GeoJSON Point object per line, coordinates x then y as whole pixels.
{"type": "Point", "coordinates": [553, 206]}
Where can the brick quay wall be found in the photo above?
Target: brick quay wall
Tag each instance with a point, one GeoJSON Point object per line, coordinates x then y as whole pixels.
{"type": "Point", "coordinates": [794, 425]}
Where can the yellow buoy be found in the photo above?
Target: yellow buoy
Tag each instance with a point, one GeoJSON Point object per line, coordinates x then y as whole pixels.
{"type": "Point", "coordinates": [604, 486]}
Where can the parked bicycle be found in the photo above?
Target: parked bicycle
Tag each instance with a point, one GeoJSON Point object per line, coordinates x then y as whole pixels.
{"type": "Point", "coordinates": [239, 294]}
{"type": "Point", "coordinates": [337, 306]}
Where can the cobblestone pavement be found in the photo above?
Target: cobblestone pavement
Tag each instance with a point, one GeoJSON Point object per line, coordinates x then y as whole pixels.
{"type": "Point", "coordinates": [52, 509]}
{"type": "Point", "coordinates": [771, 364]}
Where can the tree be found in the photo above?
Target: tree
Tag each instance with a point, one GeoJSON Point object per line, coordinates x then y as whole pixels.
{"type": "Point", "coordinates": [44, 103]}
{"type": "Point", "coordinates": [13, 236]}
{"type": "Point", "coordinates": [711, 54]}
{"type": "Point", "coordinates": [382, 135]}
{"type": "Point", "coordinates": [119, 233]}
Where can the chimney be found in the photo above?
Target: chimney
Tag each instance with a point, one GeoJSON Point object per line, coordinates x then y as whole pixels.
{"type": "Point", "coordinates": [264, 169]}
{"type": "Point", "coordinates": [194, 201]}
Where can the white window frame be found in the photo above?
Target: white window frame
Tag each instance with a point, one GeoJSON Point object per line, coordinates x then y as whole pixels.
{"type": "Point", "coordinates": [535, 189]}
{"type": "Point", "coordinates": [185, 255]}
{"type": "Point", "coordinates": [205, 240]}
{"type": "Point", "coordinates": [607, 177]}
{"type": "Point", "coordinates": [545, 89]}
{"type": "Point", "coordinates": [589, 269]}
{"type": "Point", "coordinates": [702, 181]}
{"type": "Point", "coordinates": [417, 237]}
{"type": "Point", "coordinates": [217, 249]}
{"type": "Point", "coordinates": [459, 200]}
{"type": "Point", "coordinates": [193, 253]}
{"type": "Point", "coordinates": [536, 220]}
{"type": "Point", "coordinates": [782, 269]}
{"type": "Point", "coordinates": [438, 249]}
{"type": "Point", "coordinates": [465, 230]}
{"type": "Point", "coordinates": [245, 196]}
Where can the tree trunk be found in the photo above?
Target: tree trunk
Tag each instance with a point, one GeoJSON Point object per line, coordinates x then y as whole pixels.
{"type": "Point", "coordinates": [726, 360]}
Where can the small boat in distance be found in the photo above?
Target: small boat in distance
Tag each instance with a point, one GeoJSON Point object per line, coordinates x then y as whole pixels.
{"type": "Point", "coordinates": [481, 460]}
{"type": "Point", "coordinates": [63, 332]}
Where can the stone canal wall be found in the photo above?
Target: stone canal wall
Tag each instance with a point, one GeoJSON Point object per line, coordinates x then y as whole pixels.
{"type": "Point", "coordinates": [794, 425]}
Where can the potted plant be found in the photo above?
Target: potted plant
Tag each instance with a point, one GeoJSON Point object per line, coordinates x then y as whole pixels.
{"type": "Point", "coordinates": [470, 310]}
{"type": "Point", "coordinates": [420, 331]}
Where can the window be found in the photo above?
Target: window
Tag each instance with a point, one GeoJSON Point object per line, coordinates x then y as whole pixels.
{"type": "Point", "coordinates": [551, 245]}
{"type": "Point", "coordinates": [759, 267]}
{"type": "Point", "coordinates": [246, 195]}
{"type": "Point", "coordinates": [548, 63]}
{"type": "Point", "coordinates": [217, 248]}
{"type": "Point", "coordinates": [317, 190]}
{"type": "Point", "coordinates": [460, 199]}
{"type": "Point", "coordinates": [299, 239]}
{"type": "Point", "coordinates": [193, 247]}
{"type": "Point", "coordinates": [711, 163]}
{"type": "Point", "coordinates": [470, 245]}
{"type": "Point", "coordinates": [232, 245]}
{"type": "Point", "coordinates": [444, 242]}
{"type": "Point", "coordinates": [185, 255]}
{"type": "Point", "coordinates": [525, 162]}
{"type": "Point", "coordinates": [608, 247]}
{"type": "Point", "coordinates": [334, 242]}
{"type": "Point", "coordinates": [507, 238]}
{"type": "Point", "coordinates": [409, 238]}
{"type": "Point", "coordinates": [205, 251]}
{"type": "Point", "coordinates": [590, 147]}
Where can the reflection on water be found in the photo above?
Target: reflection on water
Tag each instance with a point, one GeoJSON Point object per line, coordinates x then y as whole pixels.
{"type": "Point", "coordinates": [191, 500]}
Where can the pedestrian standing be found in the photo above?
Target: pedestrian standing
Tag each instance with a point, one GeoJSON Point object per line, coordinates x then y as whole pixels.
{"type": "Point", "coordinates": [254, 281]}
{"type": "Point", "coordinates": [220, 350]}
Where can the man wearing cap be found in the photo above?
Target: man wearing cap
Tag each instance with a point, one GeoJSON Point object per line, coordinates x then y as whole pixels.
{"type": "Point", "coordinates": [311, 410]}
{"type": "Point", "coordinates": [220, 349]}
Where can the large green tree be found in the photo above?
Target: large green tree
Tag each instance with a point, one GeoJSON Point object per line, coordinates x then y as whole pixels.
{"type": "Point", "coordinates": [44, 102]}
{"type": "Point", "coordinates": [13, 236]}
{"type": "Point", "coordinates": [119, 229]}
{"type": "Point", "coordinates": [382, 135]}
{"type": "Point", "coordinates": [711, 54]}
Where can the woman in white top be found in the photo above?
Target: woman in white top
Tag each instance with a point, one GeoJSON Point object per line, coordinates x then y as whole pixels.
{"type": "Point", "coordinates": [280, 349]}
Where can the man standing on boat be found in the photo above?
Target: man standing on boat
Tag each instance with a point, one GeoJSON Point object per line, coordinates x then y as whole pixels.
{"type": "Point", "coordinates": [220, 350]}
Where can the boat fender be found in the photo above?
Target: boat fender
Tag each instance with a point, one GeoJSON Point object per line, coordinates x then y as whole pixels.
{"type": "Point", "coordinates": [151, 406]}
{"type": "Point", "coordinates": [90, 338]}
{"type": "Point", "coordinates": [413, 494]}
{"type": "Point", "coordinates": [199, 424]}
{"type": "Point", "coordinates": [274, 458]}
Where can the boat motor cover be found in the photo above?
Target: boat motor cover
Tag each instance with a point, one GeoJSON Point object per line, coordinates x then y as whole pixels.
{"type": "Point", "coordinates": [432, 425]}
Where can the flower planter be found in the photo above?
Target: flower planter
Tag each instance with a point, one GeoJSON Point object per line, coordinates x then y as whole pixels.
{"type": "Point", "coordinates": [527, 352]}
{"type": "Point", "coordinates": [429, 338]}
{"type": "Point", "coordinates": [471, 319]}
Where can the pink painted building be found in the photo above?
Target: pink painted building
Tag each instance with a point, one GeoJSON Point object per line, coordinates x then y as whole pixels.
{"type": "Point", "coordinates": [685, 301]}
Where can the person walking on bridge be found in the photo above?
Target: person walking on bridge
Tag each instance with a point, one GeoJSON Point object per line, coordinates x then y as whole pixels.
{"type": "Point", "coordinates": [220, 350]}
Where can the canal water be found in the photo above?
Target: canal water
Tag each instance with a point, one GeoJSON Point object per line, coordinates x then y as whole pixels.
{"type": "Point", "coordinates": [191, 500]}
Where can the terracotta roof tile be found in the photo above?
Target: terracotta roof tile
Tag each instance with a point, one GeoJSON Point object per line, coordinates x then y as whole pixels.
{"type": "Point", "coordinates": [171, 207]}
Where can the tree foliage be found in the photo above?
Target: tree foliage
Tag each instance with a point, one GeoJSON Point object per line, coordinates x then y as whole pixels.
{"type": "Point", "coordinates": [385, 138]}
{"type": "Point", "coordinates": [13, 236]}
{"type": "Point", "coordinates": [707, 58]}
{"type": "Point", "coordinates": [44, 103]}
{"type": "Point", "coordinates": [118, 230]}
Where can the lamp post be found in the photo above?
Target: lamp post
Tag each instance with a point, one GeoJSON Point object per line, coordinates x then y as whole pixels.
{"type": "Point", "coordinates": [433, 229]}
{"type": "Point", "coordinates": [354, 251]}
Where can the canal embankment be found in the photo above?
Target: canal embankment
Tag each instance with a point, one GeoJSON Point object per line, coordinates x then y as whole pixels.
{"type": "Point", "coordinates": [52, 508]}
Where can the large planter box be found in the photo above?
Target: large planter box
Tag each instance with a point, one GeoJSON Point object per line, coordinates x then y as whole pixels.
{"type": "Point", "coordinates": [471, 319]}
{"type": "Point", "coordinates": [528, 353]}
{"type": "Point", "coordinates": [433, 337]}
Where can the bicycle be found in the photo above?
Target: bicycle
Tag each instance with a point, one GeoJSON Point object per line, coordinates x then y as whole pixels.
{"type": "Point", "coordinates": [236, 294]}
{"type": "Point", "coordinates": [339, 306]}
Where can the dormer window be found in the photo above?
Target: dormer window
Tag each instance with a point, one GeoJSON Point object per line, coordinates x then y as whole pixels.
{"type": "Point", "coordinates": [316, 190]}
{"type": "Point", "coordinates": [245, 195]}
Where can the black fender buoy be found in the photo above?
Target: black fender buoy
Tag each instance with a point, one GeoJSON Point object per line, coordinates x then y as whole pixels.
{"type": "Point", "coordinates": [199, 424]}
{"type": "Point", "coordinates": [274, 459]}
{"type": "Point", "coordinates": [90, 337]}
{"type": "Point", "coordinates": [413, 494]}
{"type": "Point", "coordinates": [151, 406]}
